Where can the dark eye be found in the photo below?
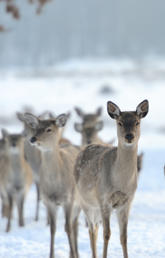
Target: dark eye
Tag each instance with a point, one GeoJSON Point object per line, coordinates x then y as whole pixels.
{"type": "Point", "coordinates": [120, 124]}
{"type": "Point", "coordinates": [137, 123]}
{"type": "Point", "coordinates": [48, 130]}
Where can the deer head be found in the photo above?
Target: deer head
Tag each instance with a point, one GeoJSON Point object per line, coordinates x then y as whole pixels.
{"type": "Point", "coordinates": [128, 123]}
{"type": "Point", "coordinates": [46, 131]}
{"type": "Point", "coordinates": [89, 132]}
{"type": "Point", "coordinates": [15, 142]}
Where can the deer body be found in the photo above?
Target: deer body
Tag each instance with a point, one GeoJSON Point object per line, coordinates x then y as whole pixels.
{"type": "Point", "coordinates": [19, 177]}
{"type": "Point", "coordinates": [56, 177]}
{"type": "Point", "coordinates": [20, 173]}
{"type": "Point", "coordinates": [107, 177]}
{"type": "Point", "coordinates": [4, 164]}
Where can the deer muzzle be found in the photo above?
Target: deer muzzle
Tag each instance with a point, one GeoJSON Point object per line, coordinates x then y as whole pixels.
{"type": "Point", "coordinates": [33, 139]}
{"type": "Point", "coordinates": [129, 137]}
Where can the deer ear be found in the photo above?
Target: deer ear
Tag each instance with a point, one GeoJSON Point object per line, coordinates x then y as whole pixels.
{"type": "Point", "coordinates": [31, 120]}
{"type": "Point", "coordinates": [61, 120]}
{"type": "Point", "coordinates": [68, 115]}
{"type": "Point", "coordinates": [99, 111]}
{"type": "Point", "coordinates": [78, 127]}
{"type": "Point", "coordinates": [79, 112]}
{"type": "Point", "coordinates": [142, 108]}
{"type": "Point", "coordinates": [113, 110]}
{"type": "Point", "coordinates": [20, 116]}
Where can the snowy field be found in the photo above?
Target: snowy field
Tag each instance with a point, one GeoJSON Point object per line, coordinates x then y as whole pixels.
{"type": "Point", "coordinates": [90, 84]}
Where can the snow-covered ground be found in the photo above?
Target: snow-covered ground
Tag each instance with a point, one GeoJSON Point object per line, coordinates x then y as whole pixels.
{"type": "Point", "coordinates": [89, 84]}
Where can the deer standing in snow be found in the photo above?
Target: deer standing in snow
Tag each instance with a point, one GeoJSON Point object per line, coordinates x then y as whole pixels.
{"type": "Point", "coordinates": [4, 172]}
{"type": "Point", "coordinates": [32, 154]}
{"type": "Point", "coordinates": [107, 177]}
{"type": "Point", "coordinates": [19, 177]}
{"type": "Point", "coordinates": [57, 179]}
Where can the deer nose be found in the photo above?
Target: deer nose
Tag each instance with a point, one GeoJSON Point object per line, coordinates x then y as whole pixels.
{"type": "Point", "coordinates": [129, 136]}
{"type": "Point", "coordinates": [33, 139]}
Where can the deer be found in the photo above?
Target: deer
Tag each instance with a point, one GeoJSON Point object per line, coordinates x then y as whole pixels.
{"type": "Point", "coordinates": [56, 179]}
{"type": "Point", "coordinates": [33, 155]}
{"type": "Point", "coordinates": [106, 177]}
{"type": "Point", "coordinates": [19, 177]}
{"type": "Point", "coordinates": [4, 171]}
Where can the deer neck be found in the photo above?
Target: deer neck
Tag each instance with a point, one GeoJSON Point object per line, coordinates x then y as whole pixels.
{"type": "Point", "coordinates": [126, 161]}
{"type": "Point", "coordinates": [52, 155]}
{"type": "Point", "coordinates": [16, 158]}
{"type": "Point", "coordinates": [94, 139]}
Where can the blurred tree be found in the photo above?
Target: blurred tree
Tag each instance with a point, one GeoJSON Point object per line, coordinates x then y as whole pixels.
{"type": "Point", "coordinates": [12, 8]}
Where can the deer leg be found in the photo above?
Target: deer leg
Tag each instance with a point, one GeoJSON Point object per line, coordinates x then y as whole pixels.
{"type": "Point", "coordinates": [47, 218]}
{"type": "Point", "coordinates": [93, 230]}
{"type": "Point", "coordinates": [106, 229]}
{"type": "Point", "coordinates": [76, 213]}
{"type": "Point", "coordinates": [93, 233]}
{"type": "Point", "coordinates": [123, 222]}
{"type": "Point", "coordinates": [8, 227]}
{"type": "Point", "coordinates": [107, 234]}
{"type": "Point", "coordinates": [38, 201]}
{"type": "Point", "coordinates": [5, 208]}
{"type": "Point", "coordinates": [75, 235]}
{"type": "Point", "coordinates": [52, 219]}
{"type": "Point", "coordinates": [69, 229]}
{"type": "Point", "coordinates": [20, 204]}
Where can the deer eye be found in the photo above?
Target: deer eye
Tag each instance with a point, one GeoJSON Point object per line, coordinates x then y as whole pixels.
{"type": "Point", "coordinates": [48, 130]}
{"type": "Point", "coordinates": [137, 123]}
{"type": "Point", "coordinates": [120, 123]}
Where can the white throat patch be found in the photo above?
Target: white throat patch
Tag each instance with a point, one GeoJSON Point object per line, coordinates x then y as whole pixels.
{"type": "Point", "coordinates": [128, 145]}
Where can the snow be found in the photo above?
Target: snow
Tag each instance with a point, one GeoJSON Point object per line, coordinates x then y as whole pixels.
{"type": "Point", "coordinates": [79, 83]}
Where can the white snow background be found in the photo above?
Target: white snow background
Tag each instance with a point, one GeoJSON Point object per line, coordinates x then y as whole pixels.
{"type": "Point", "coordinates": [80, 83]}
